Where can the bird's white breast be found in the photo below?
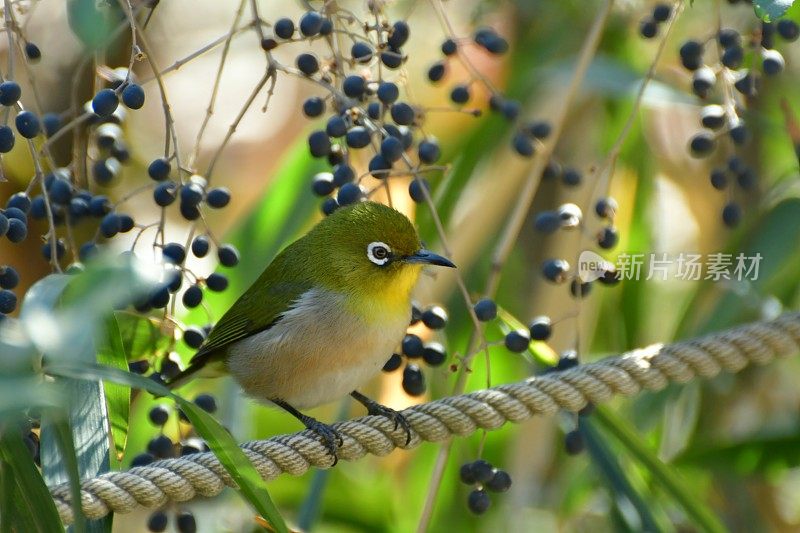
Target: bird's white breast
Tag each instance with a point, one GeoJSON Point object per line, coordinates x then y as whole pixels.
{"type": "Point", "coordinates": [317, 352]}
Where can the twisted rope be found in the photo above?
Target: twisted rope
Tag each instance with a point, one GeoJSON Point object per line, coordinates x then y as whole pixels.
{"type": "Point", "coordinates": [650, 368]}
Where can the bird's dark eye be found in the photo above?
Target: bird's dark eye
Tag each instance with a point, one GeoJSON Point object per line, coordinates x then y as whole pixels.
{"type": "Point", "coordinates": [379, 253]}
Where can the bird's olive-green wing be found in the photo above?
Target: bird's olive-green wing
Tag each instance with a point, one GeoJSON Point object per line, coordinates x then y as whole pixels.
{"type": "Point", "coordinates": [261, 306]}
{"type": "Point", "coordinates": [256, 311]}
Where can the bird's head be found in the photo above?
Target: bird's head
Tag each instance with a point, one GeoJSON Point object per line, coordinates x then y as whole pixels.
{"type": "Point", "coordinates": [373, 249]}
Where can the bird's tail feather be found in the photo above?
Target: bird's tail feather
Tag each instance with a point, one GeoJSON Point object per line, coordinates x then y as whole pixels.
{"type": "Point", "coordinates": [199, 367]}
{"type": "Point", "coordinates": [184, 377]}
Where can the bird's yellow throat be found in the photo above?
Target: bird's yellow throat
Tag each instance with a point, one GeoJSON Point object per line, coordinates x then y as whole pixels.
{"type": "Point", "coordinates": [382, 297]}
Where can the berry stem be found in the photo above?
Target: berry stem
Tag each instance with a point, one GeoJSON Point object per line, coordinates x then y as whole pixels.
{"type": "Point", "coordinates": [215, 91]}
{"type": "Point", "coordinates": [513, 228]}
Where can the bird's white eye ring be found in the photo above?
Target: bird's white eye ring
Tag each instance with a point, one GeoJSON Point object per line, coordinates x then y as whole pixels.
{"type": "Point", "coordinates": [379, 253]}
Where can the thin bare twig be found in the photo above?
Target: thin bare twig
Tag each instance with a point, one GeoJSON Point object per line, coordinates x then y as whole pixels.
{"type": "Point", "coordinates": [268, 74]}
{"type": "Point", "coordinates": [214, 92]}
{"type": "Point", "coordinates": [513, 227]}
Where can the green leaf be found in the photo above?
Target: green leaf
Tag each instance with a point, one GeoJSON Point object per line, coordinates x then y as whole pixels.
{"type": "Point", "coordinates": [714, 308]}
{"type": "Point", "coordinates": [760, 453]}
{"type": "Point", "coordinates": [68, 468]}
{"type": "Point", "coordinates": [32, 503]}
{"type": "Point", "coordinates": [626, 498]}
{"type": "Point", "coordinates": [662, 474]}
{"type": "Point", "coordinates": [73, 308]}
{"type": "Point", "coordinates": [141, 338]}
{"type": "Point", "coordinates": [769, 10]}
{"type": "Point", "coordinates": [44, 294]}
{"type": "Point", "coordinates": [249, 483]}
{"type": "Point", "coordinates": [111, 352]}
{"type": "Point", "coordinates": [235, 462]}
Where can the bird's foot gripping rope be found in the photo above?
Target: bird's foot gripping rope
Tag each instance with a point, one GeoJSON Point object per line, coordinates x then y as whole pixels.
{"type": "Point", "coordinates": [376, 409]}
{"type": "Point", "coordinates": [331, 438]}
{"type": "Point", "coordinates": [650, 368]}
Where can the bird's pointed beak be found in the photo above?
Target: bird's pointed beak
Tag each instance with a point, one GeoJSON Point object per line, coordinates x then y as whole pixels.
{"type": "Point", "coordinates": [427, 257]}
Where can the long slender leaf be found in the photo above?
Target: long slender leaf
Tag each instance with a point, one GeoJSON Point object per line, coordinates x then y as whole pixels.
{"type": "Point", "coordinates": [666, 478]}
{"type": "Point", "coordinates": [69, 469]}
{"type": "Point", "coordinates": [235, 462]}
{"type": "Point", "coordinates": [32, 501]}
{"type": "Point", "coordinates": [111, 352]}
{"type": "Point", "coordinates": [141, 338]}
{"type": "Point", "coordinates": [621, 487]}
{"type": "Point", "coordinates": [249, 483]}
{"type": "Point", "coordinates": [8, 487]}
{"type": "Point", "coordinates": [74, 307]}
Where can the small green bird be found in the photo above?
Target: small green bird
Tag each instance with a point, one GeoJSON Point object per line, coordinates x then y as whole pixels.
{"type": "Point", "coordinates": [324, 317]}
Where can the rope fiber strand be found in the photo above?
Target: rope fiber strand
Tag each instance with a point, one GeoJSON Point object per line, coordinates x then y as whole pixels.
{"type": "Point", "coordinates": [651, 368]}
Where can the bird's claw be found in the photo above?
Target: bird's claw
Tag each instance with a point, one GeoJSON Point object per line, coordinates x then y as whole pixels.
{"type": "Point", "coordinates": [331, 438]}
{"type": "Point", "coordinates": [395, 416]}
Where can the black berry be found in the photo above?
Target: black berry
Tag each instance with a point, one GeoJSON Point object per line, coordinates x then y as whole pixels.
{"type": "Point", "coordinates": [413, 380]}
{"type": "Point", "coordinates": [485, 309]}
{"type": "Point", "coordinates": [6, 139]}
{"type": "Point", "coordinates": [574, 443]}
{"type": "Point", "coordinates": [608, 237]}
{"type": "Point", "coordinates": [186, 522]}
{"type": "Point", "coordinates": [284, 28]}
{"type": "Point", "coordinates": [555, 270]}
{"type": "Point", "coordinates": [8, 301]}
{"type": "Point", "coordinates": [310, 23]}
{"type": "Point", "coordinates": [228, 255]}
{"type": "Point", "coordinates": [193, 296]}
{"type": "Point", "coordinates": [478, 501]}
{"type": "Point", "coordinates": [200, 246]}
{"type": "Point", "coordinates": [27, 124]}
{"type": "Point", "coordinates": [218, 197]}
{"type": "Point", "coordinates": [518, 340]}
{"type": "Point", "coordinates": [157, 522]}
{"type": "Point", "coordinates": [206, 402]}
{"type": "Point", "coordinates": [435, 317]}
{"type": "Point", "coordinates": [105, 102]}
{"type": "Point", "coordinates": [731, 214]}
{"type": "Point", "coordinates": [159, 415]}
{"type": "Point", "coordinates": [500, 482]}
{"type": "Point", "coordinates": [193, 337]}
{"type": "Point", "coordinates": [702, 144]}
{"type": "Point", "coordinates": [133, 96]}
{"type": "Point", "coordinates": [10, 91]}
{"type": "Point", "coordinates": [540, 328]}
{"type": "Point", "coordinates": [412, 346]}
{"type": "Point", "coordinates": [393, 363]}
{"type": "Point", "coordinates": [217, 282]}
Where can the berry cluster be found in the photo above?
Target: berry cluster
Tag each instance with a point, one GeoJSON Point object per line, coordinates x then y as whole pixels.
{"type": "Point", "coordinates": [735, 78]}
{"type": "Point", "coordinates": [163, 447]}
{"type": "Point", "coordinates": [185, 522]}
{"type": "Point", "coordinates": [9, 279]}
{"type": "Point", "coordinates": [369, 129]}
{"type": "Point", "coordinates": [648, 27]}
{"type": "Point", "coordinates": [483, 477]}
{"type": "Point", "coordinates": [69, 209]}
{"type": "Point", "coordinates": [413, 349]}
{"type": "Point", "coordinates": [528, 134]}
{"type": "Point", "coordinates": [569, 217]}
{"type": "Point", "coordinates": [73, 200]}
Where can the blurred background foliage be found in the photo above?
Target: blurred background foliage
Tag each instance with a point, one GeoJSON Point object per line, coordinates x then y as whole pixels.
{"type": "Point", "coordinates": [728, 448]}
